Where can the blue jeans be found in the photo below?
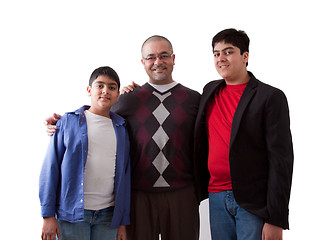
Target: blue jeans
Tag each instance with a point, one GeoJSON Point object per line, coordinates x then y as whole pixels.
{"type": "Point", "coordinates": [96, 226]}
{"type": "Point", "coordinates": [228, 221]}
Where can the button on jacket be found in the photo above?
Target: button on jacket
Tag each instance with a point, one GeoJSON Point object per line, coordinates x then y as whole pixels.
{"type": "Point", "coordinates": [61, 178]}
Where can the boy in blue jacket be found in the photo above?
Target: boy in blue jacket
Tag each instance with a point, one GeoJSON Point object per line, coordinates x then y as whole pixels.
{"type": "Point", "coordinates": [84, 186]}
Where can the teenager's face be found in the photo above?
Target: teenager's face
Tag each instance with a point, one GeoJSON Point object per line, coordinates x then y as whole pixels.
{"type": "Point", "coordinates": [104, 94]}
{"type": "Point", "coordinates": [160, 69]}
{"type": "Point", "coordinates": [229, 62]}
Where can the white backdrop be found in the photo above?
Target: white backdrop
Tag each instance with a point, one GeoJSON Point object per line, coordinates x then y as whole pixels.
{"type": "Point", "coordinates": [49, 48]}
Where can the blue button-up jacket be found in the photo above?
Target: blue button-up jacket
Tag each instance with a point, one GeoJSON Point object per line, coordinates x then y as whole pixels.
{"type": "Point", "coordinates": [61, 178]}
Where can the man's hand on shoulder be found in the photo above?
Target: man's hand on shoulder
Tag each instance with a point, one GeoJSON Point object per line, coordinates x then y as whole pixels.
{"type": "Point", "coordinates": [50, 123]}
{"type": "Point", "coordinates": [129, 88]}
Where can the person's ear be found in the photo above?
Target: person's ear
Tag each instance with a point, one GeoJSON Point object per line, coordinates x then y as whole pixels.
{"type": "Point", "coordinates": [89, 91]}
{"type": "Point", "coordinates": [245, 57]}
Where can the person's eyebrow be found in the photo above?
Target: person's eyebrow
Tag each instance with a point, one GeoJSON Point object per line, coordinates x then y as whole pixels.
{"type": "Point", "coordinates": [164, 52]}
{"type": "Point", "coordinates": [101, 82]}
{"type": "Point", "coordinates": [224, 49]}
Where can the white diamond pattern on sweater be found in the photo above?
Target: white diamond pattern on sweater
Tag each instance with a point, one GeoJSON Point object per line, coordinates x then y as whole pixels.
{"type": "Point", "coordinates": [161, 138]}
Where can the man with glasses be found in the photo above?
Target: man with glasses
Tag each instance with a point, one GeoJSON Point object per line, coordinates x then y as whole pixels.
{"type": "Point", "coordinates": [161, 116]}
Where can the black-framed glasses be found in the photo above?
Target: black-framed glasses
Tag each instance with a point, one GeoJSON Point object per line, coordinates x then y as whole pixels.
{"type": "Point", "coordinates": [162, 57]}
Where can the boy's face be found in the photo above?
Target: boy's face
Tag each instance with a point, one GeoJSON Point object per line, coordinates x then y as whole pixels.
{"type": "Point", "coordinates": [104, 94]}
{"type": "Point", "coordinates": [229, 62]}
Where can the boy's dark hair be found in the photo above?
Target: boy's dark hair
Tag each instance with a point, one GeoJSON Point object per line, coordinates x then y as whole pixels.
{"type": "Point", "coordinates": [105, 71]}
{"type": "Point", "coordinates": [232, 36]}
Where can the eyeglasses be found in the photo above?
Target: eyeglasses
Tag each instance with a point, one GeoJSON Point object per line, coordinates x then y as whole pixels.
{"type": "Point", "coordinates": [162, 57]}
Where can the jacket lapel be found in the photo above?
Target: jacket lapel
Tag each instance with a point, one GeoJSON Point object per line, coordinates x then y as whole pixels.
{"type": "Point", "coordinates": [210, 92]}
{"type": "Point", "coordinates": [245, 99]}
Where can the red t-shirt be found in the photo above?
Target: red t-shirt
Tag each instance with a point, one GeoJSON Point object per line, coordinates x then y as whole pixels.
{"type": "Point", "coordinates": [220, 113]}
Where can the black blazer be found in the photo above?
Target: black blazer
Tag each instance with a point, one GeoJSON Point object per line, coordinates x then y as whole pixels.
{"type": "Point", "coordinates": [260, 151]}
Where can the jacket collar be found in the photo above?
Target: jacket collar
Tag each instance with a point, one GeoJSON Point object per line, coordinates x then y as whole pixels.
{"type": "Point", "coordinates": [246, 97]}
{"type": "Point", "coordinates": [116, 119]}
{"type": "Point", "coordinates": [253, 82]}
{"type": "Point", "coordinates": [215, 86]}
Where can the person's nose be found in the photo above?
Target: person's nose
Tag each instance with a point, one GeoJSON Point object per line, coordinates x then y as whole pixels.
{"type": "Point", "coordinates": [222, 57]}
{"type": "Point", "coordinates": [105, 90]}
{"type": "Point", "coordinates": [157, 61]}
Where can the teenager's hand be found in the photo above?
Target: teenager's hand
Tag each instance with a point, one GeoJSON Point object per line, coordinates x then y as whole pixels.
{"type": "Point", "coordinates": [121, 233]}
{"type": "Point", "coordinates": [129, 88]}
{"type": "Point", "coordinates": [50, 123]}
{"type": "Point", "coordinates": [50, 229]}
{"type": "Point", "coordinates": [271, 232]}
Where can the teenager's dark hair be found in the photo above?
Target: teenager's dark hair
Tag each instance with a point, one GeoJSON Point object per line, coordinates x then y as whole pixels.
{"type": "Point", "coordinates": [235, 37]}
{"type": "Point", "coordinates": [105, 71]}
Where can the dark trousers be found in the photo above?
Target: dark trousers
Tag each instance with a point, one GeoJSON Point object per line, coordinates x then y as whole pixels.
{"type": "Point", "coordinates": [173, 214]}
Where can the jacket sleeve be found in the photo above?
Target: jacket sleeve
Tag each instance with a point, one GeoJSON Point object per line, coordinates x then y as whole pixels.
{"type": "Point", "coordinates": [50, 172]}
{"type": "Point", "coordinates": [126, 215]}
{"type": "Point", "coordinates": [280, 158]}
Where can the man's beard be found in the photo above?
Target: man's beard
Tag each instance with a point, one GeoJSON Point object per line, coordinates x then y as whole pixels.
{"type": "Point", "coordinates": [159, 77]}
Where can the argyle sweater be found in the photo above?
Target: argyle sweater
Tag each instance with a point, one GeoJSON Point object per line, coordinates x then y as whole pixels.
{"type": "Point", "coordinates": [161, 128]}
